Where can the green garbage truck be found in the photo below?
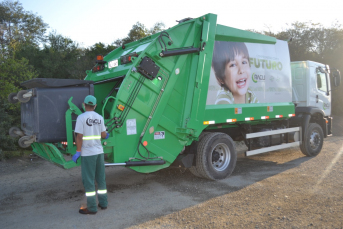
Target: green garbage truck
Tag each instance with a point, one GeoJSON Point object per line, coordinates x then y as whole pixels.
{"type": "Point", "coordinates": [185, 96]}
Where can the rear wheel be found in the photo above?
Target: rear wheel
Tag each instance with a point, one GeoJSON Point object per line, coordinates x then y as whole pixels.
{"type": "Point", "coordinates": [314, 140]}
{"type": "Point", "coordinates": [216, 156]}
{"type": "Point", "coordinates": [193, 169]}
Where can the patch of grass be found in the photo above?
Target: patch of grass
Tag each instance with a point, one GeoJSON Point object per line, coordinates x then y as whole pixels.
{"type": "Point", "coordinates": [5, 155]}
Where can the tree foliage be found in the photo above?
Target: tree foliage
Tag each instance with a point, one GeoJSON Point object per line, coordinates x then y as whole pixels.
{"type": "Point", "coordinates": [12, 73]}
{"type": "Point", "coordinates": [139, 31]}
{"type": "Point", "coordinates": [18, 27]}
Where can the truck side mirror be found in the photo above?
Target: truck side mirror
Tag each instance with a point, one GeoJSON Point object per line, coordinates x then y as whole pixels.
{"type": "Point", "coordinates": [336, 78]}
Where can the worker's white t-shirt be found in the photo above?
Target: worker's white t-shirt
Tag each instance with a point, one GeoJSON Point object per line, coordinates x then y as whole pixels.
{"type": "Point", "coordinates": [90, 124]}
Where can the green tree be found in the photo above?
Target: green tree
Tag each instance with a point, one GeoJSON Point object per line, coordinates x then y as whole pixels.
{"type": "Point", "coordinates": [7, 142]}
{"type": "Point", "coordinates": [18, 27]}
{"type": "Point", "coordinates": [12, 73]}
{"type": "Point", "coordinates": [58, 57]}
{"type": "Point", "coordinates": [139, 31]}
{"type": "Point", "coordinates": [99, 49]}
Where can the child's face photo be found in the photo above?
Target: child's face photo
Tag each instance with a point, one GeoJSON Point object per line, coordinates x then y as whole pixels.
{"type": "Point", "coordinates": [237, 75]}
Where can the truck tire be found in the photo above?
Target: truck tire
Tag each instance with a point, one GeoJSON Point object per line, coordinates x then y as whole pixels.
{"type": "Point", "coordinates": [314, 140]}
{"type": "Point", "coordinates": [216, 156]}
{"type": "Point", "coordinates": [193, 169]}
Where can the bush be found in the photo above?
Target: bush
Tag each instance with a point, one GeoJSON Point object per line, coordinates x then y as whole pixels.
{"type": "Point", "coordinates": [6, 122]}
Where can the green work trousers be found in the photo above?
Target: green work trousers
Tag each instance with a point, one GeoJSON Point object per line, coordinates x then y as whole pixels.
{"type": "Point", "coordinates": [93, 168]}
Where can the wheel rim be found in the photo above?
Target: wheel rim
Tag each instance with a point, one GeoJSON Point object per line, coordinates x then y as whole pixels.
{"type": "Point", "coordinates": [314, 140]}
{"type": "Point", "coordinates": [220, 157]}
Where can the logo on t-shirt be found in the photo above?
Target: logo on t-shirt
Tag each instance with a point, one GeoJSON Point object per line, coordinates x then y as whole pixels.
{"type": "Point", "coordinates": [91, 122]}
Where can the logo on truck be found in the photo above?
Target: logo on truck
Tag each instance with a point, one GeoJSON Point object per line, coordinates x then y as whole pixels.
{"type": "Point", "coordinates": [258, 77]}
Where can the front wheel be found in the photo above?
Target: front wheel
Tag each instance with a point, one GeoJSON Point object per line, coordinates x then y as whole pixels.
{"type": "Point", "coordinates": [216, 156]}
{"type": "Point", "coordinates": [314, 140]}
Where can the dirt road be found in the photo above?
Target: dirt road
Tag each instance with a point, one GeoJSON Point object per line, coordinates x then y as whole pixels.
{"type": "Point", "coordinates": [283, 189]}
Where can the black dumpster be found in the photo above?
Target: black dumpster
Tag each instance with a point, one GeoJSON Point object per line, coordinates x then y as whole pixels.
{"type": "Point", "coordinates": [44, 114]}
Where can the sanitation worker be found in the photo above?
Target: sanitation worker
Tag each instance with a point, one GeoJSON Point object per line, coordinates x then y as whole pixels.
{"type": "Point", "coordinates": [90, 128]}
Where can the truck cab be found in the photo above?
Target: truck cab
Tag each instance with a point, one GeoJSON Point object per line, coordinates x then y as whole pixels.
{"type": "Point", "coordinates": [311, 85]}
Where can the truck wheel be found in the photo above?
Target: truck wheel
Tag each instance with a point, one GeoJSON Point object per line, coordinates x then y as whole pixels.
{"type": "Point", "coordinates": [314, 140]}
{"type": "Point", "coordinates": [193, 169]}
{"type": "Point", "coordinates": [216, 156]}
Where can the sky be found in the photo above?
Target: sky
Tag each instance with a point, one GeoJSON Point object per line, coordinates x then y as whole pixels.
{"type": "Point", "coordinates": [89, 21]}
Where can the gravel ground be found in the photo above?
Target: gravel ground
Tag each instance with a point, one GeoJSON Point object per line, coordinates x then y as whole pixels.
{"type": "Point", "coordinates": [283, 189]}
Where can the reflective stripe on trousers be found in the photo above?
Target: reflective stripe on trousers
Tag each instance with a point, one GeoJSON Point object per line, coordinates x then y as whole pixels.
{"type": "Point", "coordinates": [99, 192]}
{"type": "Point", "coordinates": [90, 193]}
{"type": "Point", "coordinates": [102, 191]}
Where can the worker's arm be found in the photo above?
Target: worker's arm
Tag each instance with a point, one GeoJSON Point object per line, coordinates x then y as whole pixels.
{"type": "Point", "coordinates": [79, 141]}
{"type": "Point", "coordinates": [78, 147]}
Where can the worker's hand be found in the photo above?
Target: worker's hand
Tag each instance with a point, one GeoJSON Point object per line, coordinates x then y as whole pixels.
{"type": "Point", "coordinates": [107, 135]}
{"type": "Point", "coordinates": [76, 156]}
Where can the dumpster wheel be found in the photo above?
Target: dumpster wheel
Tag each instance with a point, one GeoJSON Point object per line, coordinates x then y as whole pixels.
{"type": "Point", "coordinates": [23, 97]}
{"type": "Point", "coordinates": [25, 141]}
{"type": "Point", "coordinates": [12, 98]}
{"type": "Point", "coordinates": [15, 132]}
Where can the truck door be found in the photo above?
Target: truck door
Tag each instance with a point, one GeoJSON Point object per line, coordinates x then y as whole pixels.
{"type": "Point", "coordinates": [322, 91]}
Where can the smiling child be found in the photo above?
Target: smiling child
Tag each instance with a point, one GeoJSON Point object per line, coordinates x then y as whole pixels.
{"type": "Point", "coordinates": [232, 70]}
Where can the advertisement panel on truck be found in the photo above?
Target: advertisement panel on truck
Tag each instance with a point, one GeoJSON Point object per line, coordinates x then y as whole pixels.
{"type": "Point", "coordinates": [250, 73]}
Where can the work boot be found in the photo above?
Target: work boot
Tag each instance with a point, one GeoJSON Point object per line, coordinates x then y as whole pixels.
{"type": "Point", "coordinates": [102, 208]}
{"type": "Point", "coordinates": [86, 211]}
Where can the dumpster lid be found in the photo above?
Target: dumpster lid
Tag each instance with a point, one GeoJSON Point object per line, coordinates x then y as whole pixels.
{"type": "Point", "coordinates": [50, 82]}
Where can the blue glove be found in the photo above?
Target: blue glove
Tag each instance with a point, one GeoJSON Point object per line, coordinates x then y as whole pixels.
{"type": "Point", "coordinates": [107, 135]}
{"type": "Point", "coordinates": [76, 156]}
